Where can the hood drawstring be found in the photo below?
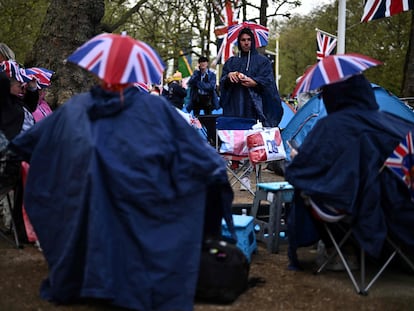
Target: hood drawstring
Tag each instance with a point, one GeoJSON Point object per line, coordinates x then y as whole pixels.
{"type": "Point", "coordinates": [248, 60]}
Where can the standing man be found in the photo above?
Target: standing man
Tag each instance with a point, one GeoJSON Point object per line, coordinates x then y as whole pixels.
{"type": "Point", "coordinates": [248, 88]}
{"type": "Point", "coordinates": [247, 85]}
{"type": "Point", "coordinates": [203, 94]}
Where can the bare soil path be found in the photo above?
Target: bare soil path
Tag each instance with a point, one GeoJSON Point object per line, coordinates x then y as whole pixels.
{"type": "Point", "coordinates": [22, 270]}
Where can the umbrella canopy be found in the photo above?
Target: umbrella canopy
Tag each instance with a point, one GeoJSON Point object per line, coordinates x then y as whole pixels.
{"type": "Point", "coordinates": [13, 70]}
{"type": "Point", "coordinates": [42, 75]}
{"type": "Point", "coordinates": [333, 68]}
{"type": "Point", "coordinates": [261, 33]}
{"type": "Point", "coordinates": [119, 59]}
{"type": "Point", "coordinates": [142, 86]}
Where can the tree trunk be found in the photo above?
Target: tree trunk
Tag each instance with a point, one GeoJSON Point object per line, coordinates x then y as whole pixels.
{"type": "Point", "coordinates": [408, 79]}
{"type": "Point", "coordinates": [67, 25]}
{"type": "Point", "coordinates": [263, 21]}
{"type": "Point", "coordinates": [263, 13]}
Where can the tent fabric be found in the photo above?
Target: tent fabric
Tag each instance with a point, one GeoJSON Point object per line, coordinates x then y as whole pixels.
{"type": "Point", "coordinates": [339, 163]}
{"type": "Point", "coordinates": [288, 114]}
{"type": "Point", "coordinates": [119, 190]}
{"type": "Point", "coordinates": [306, 117]}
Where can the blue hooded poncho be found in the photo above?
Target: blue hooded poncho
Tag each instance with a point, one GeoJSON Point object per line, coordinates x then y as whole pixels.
{"type": "Point", "coordinates": [340, 163]}
{"type": "Point", "coordinates": [261, 102]}
{"type": "Point", "coordinates": [119, 190]}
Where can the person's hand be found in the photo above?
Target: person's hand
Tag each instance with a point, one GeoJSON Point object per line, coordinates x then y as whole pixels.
{"type": "Point", "coordinates": [234, 76]}
{"type": "Point", "coordinates": [293, 153]}
{"type": "Point", "coordinates": [247, 81]}
{"type": "Point", "coordinates": [32, 85]}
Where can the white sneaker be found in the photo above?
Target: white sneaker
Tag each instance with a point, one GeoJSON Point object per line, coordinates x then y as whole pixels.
{"type": "Point", "coordinates": [245, 184]}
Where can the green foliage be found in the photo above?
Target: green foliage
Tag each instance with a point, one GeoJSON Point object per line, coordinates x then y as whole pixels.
{"type": "Point", "coordinates": [386, 40]}
{"type": "Point", "coordinates": [21, 21]}
{"type": "Point", "coordinates": [162, 24]}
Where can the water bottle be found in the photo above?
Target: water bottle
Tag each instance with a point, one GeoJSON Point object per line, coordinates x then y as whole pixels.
{"type": "Point", "coordinates": [244, 212]}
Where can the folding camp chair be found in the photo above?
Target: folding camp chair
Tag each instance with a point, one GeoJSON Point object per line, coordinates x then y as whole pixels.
{"type": "Point", "coordinates": [209, 122]}
{"type": "Point", "coordinates": [11, 194]}
{"type": "Point", "coordinates": [327, 215]}
{"type": "Point", "coordinates": [8, 227]}
{"type": "Point", "coordinates": [231, 145]}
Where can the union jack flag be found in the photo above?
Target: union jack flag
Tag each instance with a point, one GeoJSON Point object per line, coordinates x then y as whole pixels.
{"type": "Point", "coordinates": [42, 75]}
{"type": "Point", "coordinates": [325, 44]}
{"type": "Point", "coordinates": [375, 9]}
{"type": "Point", "coordinates": [119, 59]}
{"type": "Point", "coordinates": [261, 33]}
{"type": "Point", "coordinates": [227, 13]}
{"type": "Point", "coordinates": [401, 161]}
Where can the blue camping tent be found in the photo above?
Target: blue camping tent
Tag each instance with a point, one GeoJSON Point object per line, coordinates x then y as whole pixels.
{"type": "Point", "coordinates": [307, 116]}
{"type": "Point", "coordinates": [288, 114]}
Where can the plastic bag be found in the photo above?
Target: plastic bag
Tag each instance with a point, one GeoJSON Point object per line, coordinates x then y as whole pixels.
{"type": "Point", "coordinates": [265, 145]}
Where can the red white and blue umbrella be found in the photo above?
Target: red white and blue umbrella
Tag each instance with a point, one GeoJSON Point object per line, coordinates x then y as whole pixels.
{"type": "Point", "coordinates": [42, 75]}
{"type": "Point", "coordinates": [13, 70]}
{"type": "Point", "coordinates": [333, 68]}
{"type": "Point", "coordinates": [261, 33]}
{"type": "Point", "coordinates": [142, 86]}
{"type": "Point", "coordinates": [119, 59]}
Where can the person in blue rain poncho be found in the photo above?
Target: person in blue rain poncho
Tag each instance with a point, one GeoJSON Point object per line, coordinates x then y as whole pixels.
{"type": "Point", "coordinates": [247, 85]}
{"type": "Point", "coordinates": [121, 191]}
{"type": "Point", "coordinates": [340, 164]}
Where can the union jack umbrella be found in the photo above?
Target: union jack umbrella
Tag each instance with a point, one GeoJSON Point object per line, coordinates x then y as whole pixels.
{"type": "Point", "coordinates": [119, 59]}
{"type": "Point", "coordinates": [401, 162]}
{"type": "Point", "coordinates": [261, 33]}
{"type": "Point", "coordinates": [142, 86]}
{"type": "Point", "coordinates": [42, 75]}
{"type": "Point", "coordinates": [333, 68]}
{"type": "Point", "coordinates": [13, 70]}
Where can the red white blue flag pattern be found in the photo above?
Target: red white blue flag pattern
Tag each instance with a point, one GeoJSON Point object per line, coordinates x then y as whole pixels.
{"type": "Point", "coordinates": [119, 59]}
{"type": "Point", "coordinates": [325, 44]}
{"type": "Point", "coordinates": [13, 70]}
{"type": "Point", "coordinates": [227, 13]}
{"type": "Point", "coordinates": [375, 9]}
{"type": "Point", "coordinates": [142, 87]}
{"type": "Point", "coordinates": [333, 68]}
{"type": "Point", "coordinates": [42, 75]}
{"type": "Point", "coordinates": [261, 33]}
{"type": "Point", "coordinates": [401, 161]}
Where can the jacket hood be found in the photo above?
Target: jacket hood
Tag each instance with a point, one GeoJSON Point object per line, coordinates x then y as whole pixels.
{"type": "Point", "coordinates": [248, 31]}
{"type": "Point", "coordinates": [106, 103]}
{"type": "Point", "coordinates": [355, 92]}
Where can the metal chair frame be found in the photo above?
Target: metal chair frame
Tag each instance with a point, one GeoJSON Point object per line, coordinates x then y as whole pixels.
{"type": "Point", "coordinates": [361, 287]}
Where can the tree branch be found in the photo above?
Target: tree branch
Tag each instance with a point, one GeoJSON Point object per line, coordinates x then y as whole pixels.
{"type": "Point", "coordinates": [126, 16]}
